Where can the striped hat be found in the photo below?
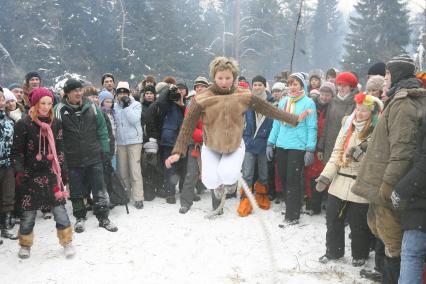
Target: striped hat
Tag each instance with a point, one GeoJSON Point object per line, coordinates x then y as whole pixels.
{"type": "Point", "coordinates": [401, 67]}
{"type": "Point", "coordinates": [299, 76]}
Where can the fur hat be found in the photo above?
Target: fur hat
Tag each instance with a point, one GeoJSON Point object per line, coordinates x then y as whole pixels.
{"type": "Point", "coordinates": [8, 95]}
{"type": "Point", "coordinates": [259, 78]}
{"type": "Point", "coordinates": [378, 69]}
{"type": "Point", "coordinates": [401, 67]}
{"type": "Point", "coordinates": [328, 87]}
{"type": "Point", "coordinates": [30, 75]}
{"type": "Point", "coordinates": [280, 86]}
{"type": "Point", "coordinates": [38, 93]}
{"type": "Point", "coordinates": [375, 82]}
{"type": "Point", "coordinates": [347, 78]}
{"type": "Point", "coordinates": [72, 84]}
{"type": "Point", "coordinates": [104, 95]}
{"type": "Point", "coordinates": [123, 87]}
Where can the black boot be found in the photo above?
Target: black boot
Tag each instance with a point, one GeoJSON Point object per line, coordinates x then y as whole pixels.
{"type": "Point", "coordinates": [372, 275]}
{"type": "Point", "coordinates": [3, 226]}
{"type": "Point", "coordinates": [10, 220]}
{"type": "Point", "coordinates": [391, 269]}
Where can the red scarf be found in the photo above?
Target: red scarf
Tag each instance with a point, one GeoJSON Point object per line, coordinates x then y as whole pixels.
{"type": "Point", "coordinates": [46, 132]}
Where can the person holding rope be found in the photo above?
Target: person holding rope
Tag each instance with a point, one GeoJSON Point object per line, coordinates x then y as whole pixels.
{"type": "Point", "coordinates": [221, 108]}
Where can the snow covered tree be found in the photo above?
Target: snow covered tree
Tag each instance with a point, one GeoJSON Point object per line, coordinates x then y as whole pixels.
{"type": "Point", "coordinates": [325, 32]}
{"type": "Point", "coordinates": [379, 31]}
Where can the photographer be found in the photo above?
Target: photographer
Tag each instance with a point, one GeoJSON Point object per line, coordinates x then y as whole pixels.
{"type": "Point", "coordinates": [129, 136]}
{"type": "Point", "coordinates": [163, 120]}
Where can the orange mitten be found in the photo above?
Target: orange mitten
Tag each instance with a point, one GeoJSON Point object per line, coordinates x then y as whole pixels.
{"type": "Point", "coordinates": [245, 208]}
{"type": "Point", "coordinates": [262, 196]}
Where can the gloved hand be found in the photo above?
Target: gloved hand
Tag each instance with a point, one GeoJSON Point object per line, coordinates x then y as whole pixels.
{"type": "Point", "coordinates": [356, 153]}
{"type": "Point", "coordinates": [322, 183]}
{"type": "Point", "coordinates": [396, 199]}
{"type": "Point", "coordinates": [270, 152]}
{"type": "Point", "coordinates": [173, 94]}
{"type": "Point", "coordinates": [320, 156]}
{"type": "Point", "coordinates": [309, 158]}
{"type": "Point", "coordinates": [126, 101]}
{"type": "Point", "coordinates": [151, 146]}
{"type": "Point", "coordinates": [18, 178]}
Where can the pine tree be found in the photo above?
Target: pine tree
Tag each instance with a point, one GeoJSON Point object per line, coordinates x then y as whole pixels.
{"type": "Point", "coordinates": [379, 31]}
{"type": "Point", "coordinates": [325, 31]}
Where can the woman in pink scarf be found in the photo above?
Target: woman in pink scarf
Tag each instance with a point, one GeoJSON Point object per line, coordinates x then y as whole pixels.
{"type": "Point", "coordinates": [40, 174]}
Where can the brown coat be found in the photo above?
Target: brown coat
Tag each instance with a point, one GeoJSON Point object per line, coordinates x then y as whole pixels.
{"type": "Point", "coordinates": [337, 109]}
{"type": "Point", "coordinates": [222, 115]}
{"type": "Point", "coordinates": [392, 147]}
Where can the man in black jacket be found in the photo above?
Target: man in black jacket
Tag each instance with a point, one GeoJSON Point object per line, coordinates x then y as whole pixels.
{"type": "Point", "coordinates": [86, 145]}
{"type": "Point", "coordinates": [410, 196]}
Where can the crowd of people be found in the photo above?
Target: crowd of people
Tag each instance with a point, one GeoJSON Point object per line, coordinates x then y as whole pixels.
{"type": "Point", "coordinates": [312, 141]}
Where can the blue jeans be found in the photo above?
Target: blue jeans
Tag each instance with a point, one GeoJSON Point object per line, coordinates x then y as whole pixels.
{"type": "Point", "coordinates": [412, 257]}
{"type": "Point", "coordinates": [249, 166]}
{"type": "Point", "coordinates": [94, 176]}
{"type": "Point", "coordinates": [28, 219]}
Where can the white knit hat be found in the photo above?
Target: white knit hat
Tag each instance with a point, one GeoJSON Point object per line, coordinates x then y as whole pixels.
{"type": "Point", "coordinates": [8, 95]}
{"type": "Point", "coordinates": [280, 86]}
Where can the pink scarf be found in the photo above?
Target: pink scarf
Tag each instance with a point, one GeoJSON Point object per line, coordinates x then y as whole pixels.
{"type": "Point", "coordinates": [46, 132]}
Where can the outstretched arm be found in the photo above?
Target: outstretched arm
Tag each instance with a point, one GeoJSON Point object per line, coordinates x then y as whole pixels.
{"type": "Point", "coordinates": [269, 110]}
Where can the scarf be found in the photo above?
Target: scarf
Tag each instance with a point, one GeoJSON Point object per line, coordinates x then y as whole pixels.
{"type": "Point", "coordinates": [293, 98]}
{"type": "Point", "coordinates": [353, 125]}
{"type": "Point", "coordinates": [47, 133]}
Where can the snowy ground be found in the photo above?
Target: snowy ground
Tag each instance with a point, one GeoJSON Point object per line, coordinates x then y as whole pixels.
{"type": "Point", "coordinates": [159, 245]}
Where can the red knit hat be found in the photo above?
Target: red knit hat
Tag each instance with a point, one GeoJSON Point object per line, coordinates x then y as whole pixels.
{"type": "Point", "coordinates": [347, 78]}
{"type": "Point", "coordinates": [38, 93]}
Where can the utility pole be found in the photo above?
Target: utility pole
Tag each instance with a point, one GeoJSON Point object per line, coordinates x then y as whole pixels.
{"type": "Point", "coordinates": [237, 15]}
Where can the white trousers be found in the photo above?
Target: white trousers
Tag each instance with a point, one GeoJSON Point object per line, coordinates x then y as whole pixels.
{"type": "Point", "coordinates": [220, 168]}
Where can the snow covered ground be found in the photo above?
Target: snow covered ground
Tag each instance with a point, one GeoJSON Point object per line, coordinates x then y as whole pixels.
{"type": "Point", "coordinates": [159, 245]}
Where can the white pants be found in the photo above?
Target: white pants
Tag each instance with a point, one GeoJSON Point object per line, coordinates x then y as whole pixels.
{"type": "Point", "coordinates": [220, 168]}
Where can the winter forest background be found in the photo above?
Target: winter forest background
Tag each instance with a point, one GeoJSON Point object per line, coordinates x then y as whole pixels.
{"type": "Point", "coordinates": [134, 38]}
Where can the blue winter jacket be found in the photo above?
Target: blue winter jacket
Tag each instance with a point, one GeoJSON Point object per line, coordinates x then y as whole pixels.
{"type": "Point", "coordinates": [172, 122]}
{"type": "Point", "coordinates": [256, 138]}
{"type": "Point", "coordinates": [303, 136]}
{"type": "Point", "coordinates": [128, 121]}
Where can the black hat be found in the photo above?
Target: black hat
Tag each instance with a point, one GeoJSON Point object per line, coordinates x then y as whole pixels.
{"type": "Point", "coordinates": [30, 75]}
{"type": "Point", "coordinates": [72, 84]}
{"type": "Point", "coordinates": [401, 67]}
{"type": "Point", "coordinates": [149, 89]}
{"type": "Point", "coordinates": [242, 78]}
{"type": "Point", "coordinates": [107, 75]}
{"type": "Point", "coordinates": [377, 69]}
{"type": "Point", "coordinates": [259, 78]}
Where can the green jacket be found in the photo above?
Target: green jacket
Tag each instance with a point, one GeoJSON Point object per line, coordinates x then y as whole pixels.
{"type": "Point", "coordinates": [392, 147]}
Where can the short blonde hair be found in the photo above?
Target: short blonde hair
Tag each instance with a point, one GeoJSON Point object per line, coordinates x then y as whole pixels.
{"type": "Point", "coordinates": [223, 63]}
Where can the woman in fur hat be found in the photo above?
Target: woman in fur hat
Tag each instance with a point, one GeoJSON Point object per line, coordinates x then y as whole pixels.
{"type": "Point", "coordinates": [221, 108]}
{"type": "Point", "coordinates": [38, 160]}
{"type": "Point", "coordinates": [340, 173]}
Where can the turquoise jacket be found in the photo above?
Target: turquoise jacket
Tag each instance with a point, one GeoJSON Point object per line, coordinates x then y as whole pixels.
{"type": "Point", "coordinates": [303, 136]}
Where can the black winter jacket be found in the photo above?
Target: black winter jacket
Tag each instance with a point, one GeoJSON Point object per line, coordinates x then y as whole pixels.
{"type": "Point", "coordinates": [85, 133]}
